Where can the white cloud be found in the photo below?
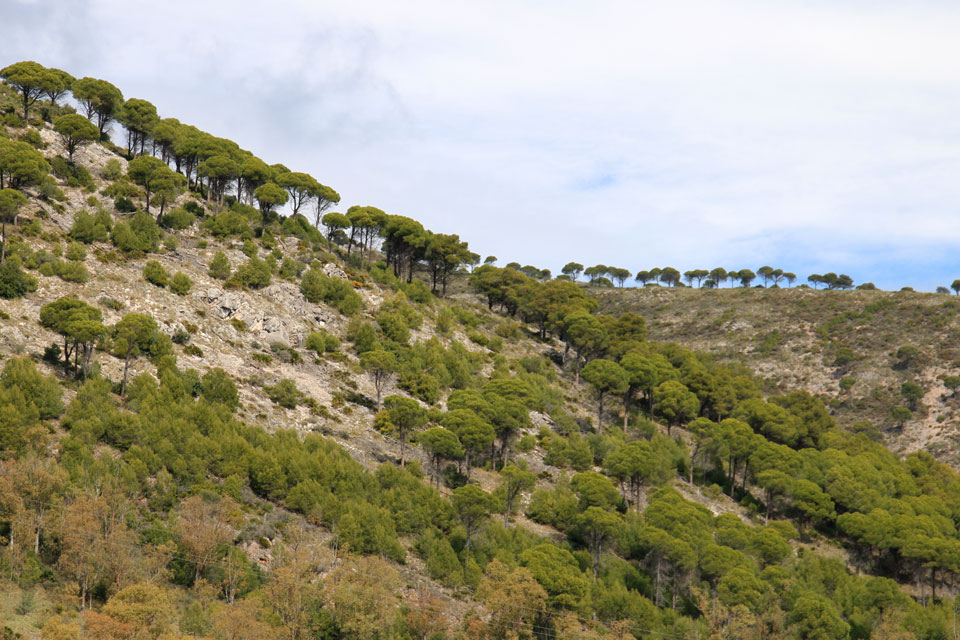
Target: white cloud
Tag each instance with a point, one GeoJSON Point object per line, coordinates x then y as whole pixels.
{"type": "Point", "coordinates": [692, 133]}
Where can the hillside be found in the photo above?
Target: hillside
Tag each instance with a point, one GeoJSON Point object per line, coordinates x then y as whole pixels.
{"type": "Point", "coordinates": [228, 411]}
{"type": "Point", "coordinates": [806, 339]}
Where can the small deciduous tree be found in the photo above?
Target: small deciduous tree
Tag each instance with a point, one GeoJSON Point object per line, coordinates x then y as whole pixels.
{"type": "Point", "coordinates": [362, 594]}
{"type": "Point", "coordinates": [203, 525]}
{"type": "Point", "coordinates": [513, 597]}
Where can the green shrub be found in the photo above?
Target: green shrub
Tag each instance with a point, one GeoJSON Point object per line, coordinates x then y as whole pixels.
{"type": "Point", "coordinates": [228, 223]}
{"type": "Point", "coordinates": [123, 204]}
{"type": "Point", "coordinates": [336, 292]}
{"type": "Point", "coordinates": [254, 275]}
{"type": "Point", "coordinates": [417, 291]}
{"type": "Point", "coordinates": [444, 321]}
{"type": "Point", "coordinates": [218, 386]}
{"type": "Point", "coordinates": [140, 235]}
{"type": "Point", "coordinates": [478, 338]}
{"type": "Point", "coordinates": [112, 170]}
{"type": "Point", "coordinates": [285, 353]}
{"type": "Point", "coordinates": [13, 120]}
{"type": "Point", "coordinates": [111, 303]}
{"type": "Point", "coordinates": [364, 338]}
{"type": "Point", "coordinates": [219, 266]}
{"type": "Point", "coordinates": [291, 269]}
{"type": "Point", "coordinates": [76, 251]}
{"type": "Point", "coordinates": [71, 271]}
{"type": "Point", "coordinates": [322, 341]}
{"type": "Point", "coordinates": [87, 228]}
{"type": "Point", "coordinates": [177, 219]}
{"type": "Point", "coordinates": [393, 326]}
{"type": "Point", "coordinates": [32, 137]}
{"type": "Point", "coordinates": [50, 191]}
{"type": "Point", "coordinates": [123, 188]}
{"type": "Point", "coordinates": [420, 385]}
{"type": "Point", "coordinates": [154, 273]}
{"type": "Point", "coordinates": [285, 393]}
{"type": "Point", "coordinates": [250, 248]}
{"type": "Point", "coordinates": [73, 174]}
{"type": "Point", "coordinates": [180, 283]}
{"type": "Point", "coordinates": [14, 281]}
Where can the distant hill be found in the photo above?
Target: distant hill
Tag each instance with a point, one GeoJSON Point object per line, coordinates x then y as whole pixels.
{"type": "Point", "coordinates": [807, 339]}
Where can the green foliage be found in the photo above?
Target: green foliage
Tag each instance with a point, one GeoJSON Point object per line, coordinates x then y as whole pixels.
{"type": "Point", "coordinates": [367, 529]}
{"type": "Point", "coordinates": [228, 223]}
{"type": "Point", "coordinates": [285, 393]}
{"type": "Point", "coordinates": [112, 170]}
{"type": "Point", "coordinates": [219, 266]}
{"type": "Point", "coordinates": [255, 274]}
{"type": "Point", "coordinates": [559, 574]}
{"type": "Point", "coordinates": [75, 131]}
{"type": "Point", "coordinates": [138, 235]}
{"type": "Point", "coordinates": [14, 281]}
{"type": "Point", "coordinates": [154, 273]}
{"type": "Point", "coordinates": [72, 174]}
{"type": "Point", "coordinates": [441, 560]}
{"type": "Point", "coordinates": [123, 204]}
{"type": "Point", "coordinates": [75, 251]}
{"type": "Point", "coordinates": [180, 283]}
{"type": "Point", "coordinates": [322, 341]}
{"type": "Point", "coordinates": [336, 292]}
{"type": "Point", "coordinates": [88, 229]}
{"type": "Point", "coordinates": [177, 219]}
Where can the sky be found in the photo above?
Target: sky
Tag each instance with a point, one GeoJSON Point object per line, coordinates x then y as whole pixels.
{"type": "Point", "coordinates": [810, 135]}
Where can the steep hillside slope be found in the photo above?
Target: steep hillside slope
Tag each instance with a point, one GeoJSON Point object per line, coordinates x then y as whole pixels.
{"type": "Point", "coordinates": [229, 421]}
{"type": "Point", "coordinates": [807, 339]}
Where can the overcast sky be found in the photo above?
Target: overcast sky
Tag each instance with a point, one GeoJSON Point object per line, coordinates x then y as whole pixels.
{"type": "Point", "coordinates": [809, 135]}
